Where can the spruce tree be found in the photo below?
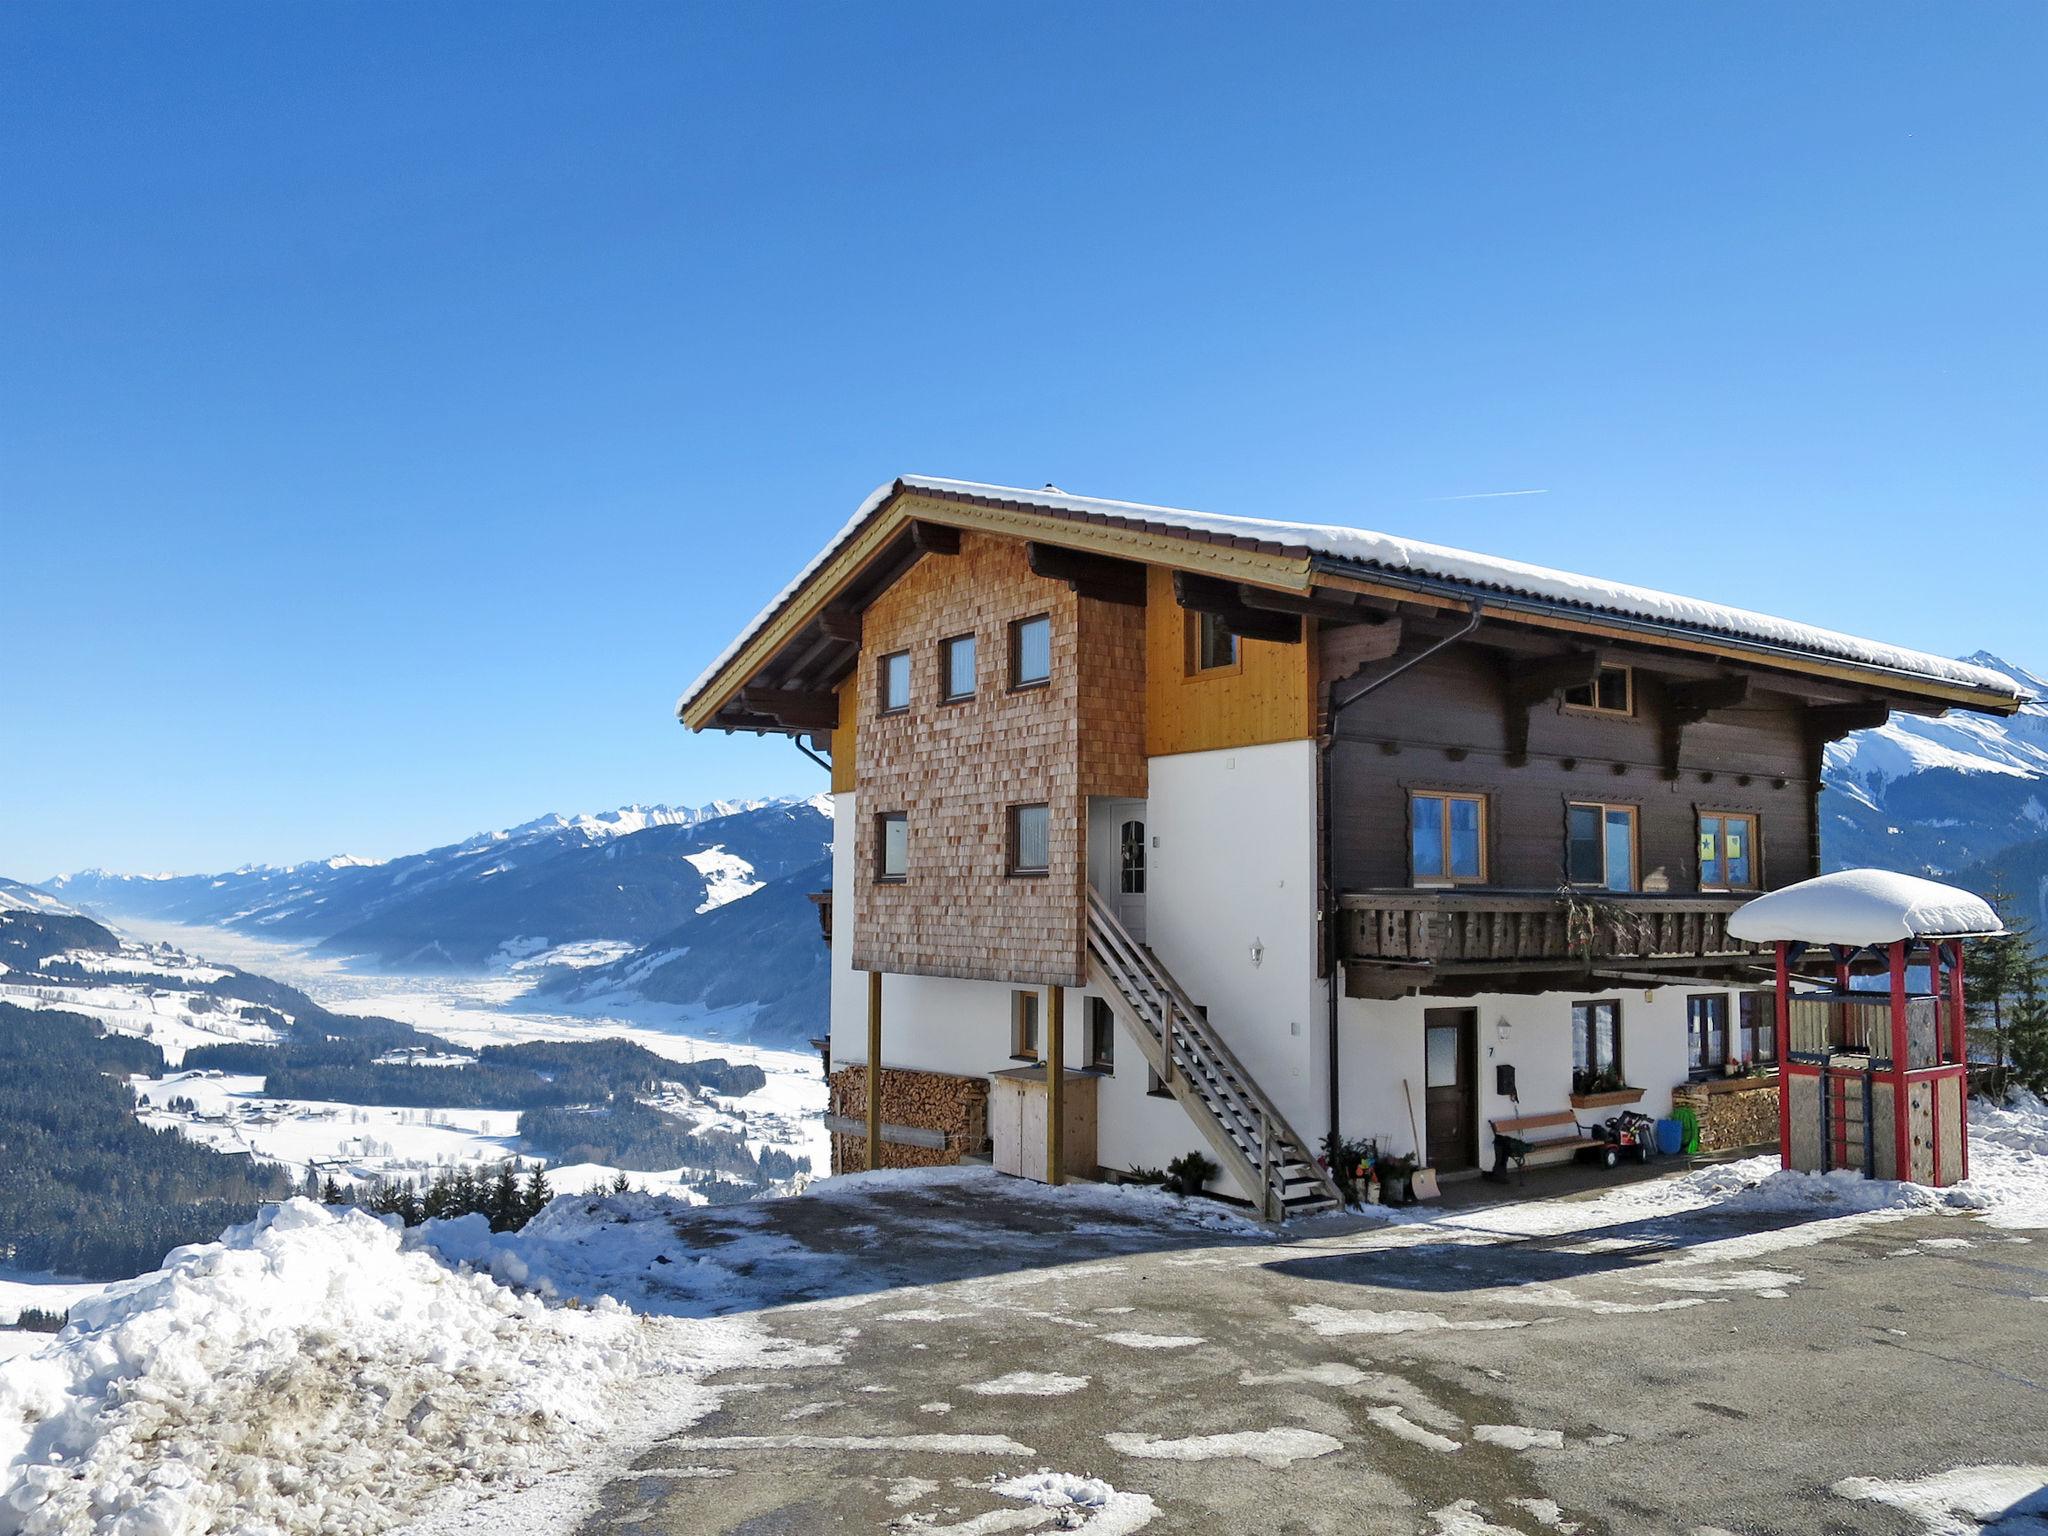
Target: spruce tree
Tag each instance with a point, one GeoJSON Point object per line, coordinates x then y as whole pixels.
{"type": "Point", "coordinates": [504, 1201]}
{"type": "Point", "coordinates": [2000, 975]}
{"type": "Point", "coordinates": [536, 1195]}
{"type": "Point", "coordinates": [330, 1192]}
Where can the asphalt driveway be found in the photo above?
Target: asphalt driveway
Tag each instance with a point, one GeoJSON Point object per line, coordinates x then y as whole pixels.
{"type": "Point", "coordinates": [1551, 1367]}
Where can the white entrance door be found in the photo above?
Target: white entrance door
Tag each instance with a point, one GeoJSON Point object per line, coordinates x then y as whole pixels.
{"type": "Point", "coordinates": [1119, 859]}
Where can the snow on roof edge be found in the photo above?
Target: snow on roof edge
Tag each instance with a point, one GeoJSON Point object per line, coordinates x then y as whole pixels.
{"type": "Point", "coordinates": [1415, 558]}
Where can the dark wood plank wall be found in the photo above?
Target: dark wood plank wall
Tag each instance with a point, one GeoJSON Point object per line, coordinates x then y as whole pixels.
{"type": "Point", "coordinates": [1455, 703]}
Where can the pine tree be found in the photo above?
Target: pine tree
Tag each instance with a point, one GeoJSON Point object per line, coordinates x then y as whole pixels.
{"type": "Point", "coordinates": [535, 1197]}
{"type": "Point", "coordinates": [330, 1192]}
{"type": "Point", "coordinates": [1999, 975]}
{"type": "Point", "coordinates": [621, 1184]}
{"type": "Point", "coordinates": [504, 1200]}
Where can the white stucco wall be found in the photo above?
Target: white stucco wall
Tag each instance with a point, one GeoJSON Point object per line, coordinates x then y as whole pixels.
{"type": "Point", "coordinates": [1234, 863]}
{"type": "Point", "coordinates": [1382, 1043]}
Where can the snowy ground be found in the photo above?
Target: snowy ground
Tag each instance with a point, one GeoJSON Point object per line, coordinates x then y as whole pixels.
{"type": "Point", "coordinates": [953, 1351]}
{"type": "Point", "coordinates": [788, 1113]}
{"type": "Point", "coordinates": [355, 1141]}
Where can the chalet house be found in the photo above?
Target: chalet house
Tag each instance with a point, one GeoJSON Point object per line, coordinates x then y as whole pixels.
{"type": "Point", "coordinates": [1261, 828]}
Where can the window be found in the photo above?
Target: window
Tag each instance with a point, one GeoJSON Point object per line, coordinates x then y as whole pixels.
{"type": "Point", "coordinates": [892, 846]}
{"type": "Point", "coordinates": [1130, 841]}
{"type": "Point", "coordinates": [1101, 1036]}
{"type": "Point", "coordinates": [1613, 694]}
{"type": "Point", "coordinates": [1596, 1046]}
{"type": "Point", "coordinates": [1029, 839]}
{"type": "Point", "coordinates": [1024, 1026]}
{"type": "Point", "coordinates": [1706, 1021]}
{"type": "Point", "coordinates": [1759, 1027]}
{"type": "Point", "coordinates": [1600, 846]}
{"type": "Point", "coordinates": [895, 682]}
{"type": "Point", "coordinates": [1031, 652]}
{"type": "Point", "coordinates": [956, 667]}
{"type": "Point", "coordinates": [1155, 1085]}
{"type": "Point", "coordinates": [1447, 838]}
{"type": "Point", "coordinates": [1728, 851]}
{"type": "Point", "coordinates": [1211, 647]}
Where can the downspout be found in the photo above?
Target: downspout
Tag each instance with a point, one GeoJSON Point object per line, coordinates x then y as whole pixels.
{"type": "Point", "coordinates": [1332, 908]}
{"type": "Point", "coordinates": [807, 752]}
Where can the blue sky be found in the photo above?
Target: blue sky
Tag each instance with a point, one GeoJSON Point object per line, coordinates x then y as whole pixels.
{"type": "Point", "coordinates": [399, 405]}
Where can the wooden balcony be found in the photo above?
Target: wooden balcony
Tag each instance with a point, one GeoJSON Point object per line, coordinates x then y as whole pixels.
{"type": "Point", "coordinates": [1396, 941]}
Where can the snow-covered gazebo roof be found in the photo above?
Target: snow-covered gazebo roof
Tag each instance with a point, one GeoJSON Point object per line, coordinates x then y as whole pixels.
{"type": "Point", "coordinates": [1861, 907]}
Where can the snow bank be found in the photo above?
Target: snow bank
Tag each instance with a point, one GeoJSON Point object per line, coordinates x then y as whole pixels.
{"type": "Point", "coordinates": [316, 1371]}
{"type": "Point", "coordinates": [1863, 906]}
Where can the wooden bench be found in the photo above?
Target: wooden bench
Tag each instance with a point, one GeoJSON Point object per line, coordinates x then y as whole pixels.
{"type": "Point", "coordinates": [1548, 1132]}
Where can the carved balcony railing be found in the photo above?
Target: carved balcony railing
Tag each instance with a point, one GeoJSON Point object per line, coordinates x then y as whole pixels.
{"type": "Point", "coordinates": [1472, 929]}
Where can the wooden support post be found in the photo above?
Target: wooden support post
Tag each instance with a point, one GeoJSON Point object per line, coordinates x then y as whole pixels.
{"type": "Point", "coordinates": [1959, 1021]}
{"type": "Point", "coordinates": [1902, 1121]}
{"type": "Point", "coordinates": [1784, 1056]}
{"type": "Point", "coordinates": [1056, 1085]}
{"type": "Point", "coordinates": [874, 1069]}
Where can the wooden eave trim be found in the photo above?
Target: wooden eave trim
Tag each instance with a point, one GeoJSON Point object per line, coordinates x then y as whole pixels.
{"type": "Point", "coordinates": [1231, 562]}
{"type": "Point", "coordinates": [1505, 607]}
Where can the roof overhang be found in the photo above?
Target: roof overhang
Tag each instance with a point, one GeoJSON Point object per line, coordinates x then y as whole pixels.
{"type": "Point", "coordinates": [803, 639]}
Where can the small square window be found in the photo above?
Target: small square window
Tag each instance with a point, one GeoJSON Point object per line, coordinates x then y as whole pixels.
{"type": "Point", "coordinates": [1728, 851]}
{"type": "Point", "coordinates": [1031, 651]}
{"type": "Point", "coordinates": [892, 846]}
{"type": "Point", "coordinates": [1024, 1026]}
{"type": "Point", "coordinates": [1613, 693]}
{"type": "Point", "coordinates": [895, 682]}
{"type": "Point", "coordinates": [1447, 838]}
{"type": "Point", "coordinates": [1211, 646]}
{"type": "Point", "coordinates": [1030, 839]}
{"type": "Point", "coordinates": [956, 667]}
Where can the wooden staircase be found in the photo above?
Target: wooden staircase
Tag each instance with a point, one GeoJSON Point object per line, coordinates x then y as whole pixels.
{"type": "Point", "coordinates": [1249, 1136]}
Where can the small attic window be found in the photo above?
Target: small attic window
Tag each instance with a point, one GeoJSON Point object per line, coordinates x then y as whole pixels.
{"type": "Point", "coordinates": [1613, 694]}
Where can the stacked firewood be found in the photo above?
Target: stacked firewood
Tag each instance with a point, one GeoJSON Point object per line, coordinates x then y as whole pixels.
{"type": "Point", "coordinates": [956, 1107]}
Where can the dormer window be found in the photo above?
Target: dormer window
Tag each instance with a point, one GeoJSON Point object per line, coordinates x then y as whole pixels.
{"type": "Point", "coordinates": [1613, 693]}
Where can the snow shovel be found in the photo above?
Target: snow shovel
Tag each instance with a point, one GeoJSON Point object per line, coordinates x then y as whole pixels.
{"type": "Point", "coordinates": [1422, 1182]}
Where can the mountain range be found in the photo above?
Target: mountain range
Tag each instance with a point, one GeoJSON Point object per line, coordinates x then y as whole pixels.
{"type": "Point", "coordinates": [708, 907]}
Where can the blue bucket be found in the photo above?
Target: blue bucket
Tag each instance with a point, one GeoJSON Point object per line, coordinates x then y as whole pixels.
{"type": "Point", "coordinates": [1670, 1137]}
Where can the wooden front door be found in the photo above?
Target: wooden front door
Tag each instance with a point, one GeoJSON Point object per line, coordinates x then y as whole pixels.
{"type": "Point", "coordinates": [1450, 1091]}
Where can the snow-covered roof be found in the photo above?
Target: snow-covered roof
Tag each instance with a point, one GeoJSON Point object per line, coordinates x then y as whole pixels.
{"type": "Point", "coordinates": [1414, 561]}
{"type": "Point", "coordinates": [1863, 906]}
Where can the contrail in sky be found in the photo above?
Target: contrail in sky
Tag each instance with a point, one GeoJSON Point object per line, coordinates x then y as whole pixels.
{"type": "Point", "coordinates": [1489, 495]}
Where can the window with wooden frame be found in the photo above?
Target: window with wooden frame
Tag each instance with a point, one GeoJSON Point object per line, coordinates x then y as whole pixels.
{"type": "Point", "coordinates": [1031, 652]}
{"type": "Point", "coordinates": [892, 847]}
{"type": "Point", "coordinates": [1729, 854]}
{"type": "Point", "coordinates": [1024, 1026]}
{"type": "Point", "coordinates": [1446, 837]}
{"type": "Point", "coordinates": [1612, 693]}
{"type": "Point", "coordinates": [892, 683]}
{"type": "Point", "coordinates": [1706, 1030]}
{"type": "Point", "coordinates": [1101, 1037]}
{"type": "Point", "coordinates": [1596, 1046]}
{"type": "Point", "coordinates": [1759, 1025]}
{"type": "Point", "coordinates": [956, 668]}
{"type": "Point", "coordinates": [1211, 647]}
{"type": "Point", "coordinates": [1030, 840]}
{"type": "Point", "coordinates": [1600, 845]}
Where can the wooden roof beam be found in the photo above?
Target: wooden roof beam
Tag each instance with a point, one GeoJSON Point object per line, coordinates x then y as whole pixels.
{"type": "Point", "coordinates": [1207, 594]}
{"type": "Point", "coordinates": [934, 538]}
{"type": "Point", "coordinates": [1831, 722]}
{"type": "Point", "coordinates": [1686, 704]}
{"type": "Point", "coordinates": [1101, 577]}
{"type": "Point", "coordinates": [1533, 682]}
{"type": "Point", "coordinates": [793, 708]}
{"type": "Point", "coordinates": [1329, 608]}
{"type": "Point", "coordinates": [842, 621]}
